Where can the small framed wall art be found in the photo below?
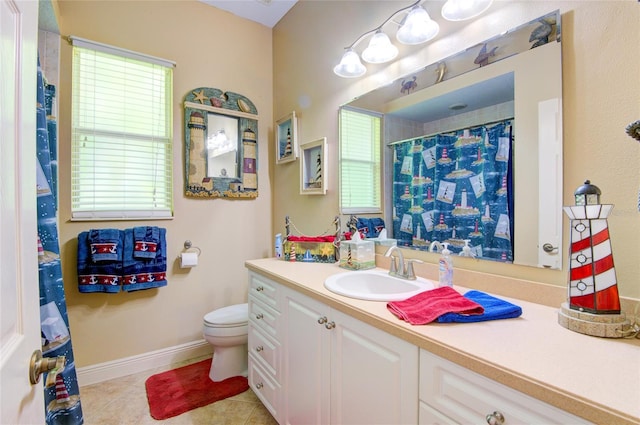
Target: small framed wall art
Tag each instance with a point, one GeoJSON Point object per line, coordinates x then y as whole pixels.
{"type": "Point", "coordinates": [313, 179]}
{"type": "Point", "coordinates": [287, 138]}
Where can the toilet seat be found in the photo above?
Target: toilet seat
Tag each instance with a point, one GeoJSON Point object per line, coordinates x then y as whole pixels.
{"type": "Point", "coordinates": [228, 317]}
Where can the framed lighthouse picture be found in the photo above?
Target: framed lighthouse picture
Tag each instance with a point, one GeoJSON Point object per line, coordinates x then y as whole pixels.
{"type": "Point", "coordinates": [313, 178]}
{"type": "Point", "coordinates": [286, 138]}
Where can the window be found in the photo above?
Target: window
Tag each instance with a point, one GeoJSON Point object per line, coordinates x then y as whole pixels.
{"type": "Point", "coordinates": [121, 158]}
{"type": "Point", "coordinates": [360, 179]}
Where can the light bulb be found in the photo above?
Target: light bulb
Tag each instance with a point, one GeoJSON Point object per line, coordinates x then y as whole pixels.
{"type": "Point", "coordinates": [380, 49]}
{"type": "Point", "coordinates": [418, 27]}
{"type": "Point", "coordinates": [460, 10]}
{"type": "Point", "coordinates": [350, 65]}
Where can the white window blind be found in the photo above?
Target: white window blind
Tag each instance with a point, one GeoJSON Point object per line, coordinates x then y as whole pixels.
{"type": "Point", "coordinates": [360, 179]}
{"type": "Point", "coordinates": [121, 159]}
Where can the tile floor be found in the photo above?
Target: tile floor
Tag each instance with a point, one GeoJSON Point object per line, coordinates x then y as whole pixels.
{"type": "Point", "coordinates": [123, 401]}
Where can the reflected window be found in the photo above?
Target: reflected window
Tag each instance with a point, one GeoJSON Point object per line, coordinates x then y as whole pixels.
{"type": "Point", "coordinates": [360, 164]}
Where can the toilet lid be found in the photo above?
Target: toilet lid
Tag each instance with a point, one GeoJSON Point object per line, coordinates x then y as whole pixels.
{"type": "Point", "coordinates": [233, 315]}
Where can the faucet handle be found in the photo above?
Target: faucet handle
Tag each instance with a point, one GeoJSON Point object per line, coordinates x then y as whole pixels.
{"type": "Point", "coordinates": [411, 274]}
{"type": "Point", "coordinates": [393, 267]}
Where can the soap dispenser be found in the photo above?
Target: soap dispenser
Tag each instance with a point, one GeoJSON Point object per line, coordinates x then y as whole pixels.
{"type": "Point", "coordinates": [445, 267]}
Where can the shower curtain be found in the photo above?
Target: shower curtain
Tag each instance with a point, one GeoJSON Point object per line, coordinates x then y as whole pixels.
{"type": "Point", "coordinates": [62, 400]}
{"type": "Point", "coordinates": [456, 186]}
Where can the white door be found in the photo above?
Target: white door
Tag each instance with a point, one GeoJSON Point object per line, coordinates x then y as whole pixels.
{"type": "Point", "coordinates": [20, 402]}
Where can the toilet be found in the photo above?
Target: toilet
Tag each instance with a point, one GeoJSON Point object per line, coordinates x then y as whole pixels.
{"type": "Point", "coordinates": [226, 330]}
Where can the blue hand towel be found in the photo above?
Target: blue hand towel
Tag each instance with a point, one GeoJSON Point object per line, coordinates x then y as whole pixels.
{"type": "Point", "coordinates": [104, 276]}
{"type": "Point", "coordinates": [494, 309]}
{"type": "Point", "coordinates": [376, 224]}
{"type": "Point", "coordinates": [363, 226]}
{"type": "Point", "coordinates": [146, 240]}
{"type": "Point", "coordinates": [144, 273]}
{"type": "Point", "coordinates": [105, 245]}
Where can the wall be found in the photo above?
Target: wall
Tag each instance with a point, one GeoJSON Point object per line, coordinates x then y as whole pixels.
{"type": "Point", "coordinates": [601, 88]}
{"type": "Point", "coordinates": [212, 48]}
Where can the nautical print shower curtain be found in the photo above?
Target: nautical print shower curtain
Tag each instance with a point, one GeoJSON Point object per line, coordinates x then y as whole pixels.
{"type": "Point", "coordinates": [456, 186]}
{"type": "Point", "coordinates": [62, 400]}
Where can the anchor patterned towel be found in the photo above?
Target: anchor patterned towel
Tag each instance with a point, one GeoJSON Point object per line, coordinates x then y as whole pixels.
{"type": "Point", "coordinates": [144, 273]}
{"type": "Point", "coordinates": [101, 276]}
{"type": "Point", "coordinates": [106, 245]}
{"type": "Point", "coordinates": [146, 241]}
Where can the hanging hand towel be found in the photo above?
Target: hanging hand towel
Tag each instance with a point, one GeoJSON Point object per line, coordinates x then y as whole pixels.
{"type": "Point", "coordinates": [104, 276]}
{"type": "Point", "coordinates": [429, 305]}
{"type": "Point", "coordinates": [144, 273]}
{"type": "Point", "coordinates": [145, 241]}
{"type": "Point", "coordinates": [105, 245]}
{"type": "Point", "coordinates": [494, 309]}
{"type": "Point", "coordinates": [376, 224]}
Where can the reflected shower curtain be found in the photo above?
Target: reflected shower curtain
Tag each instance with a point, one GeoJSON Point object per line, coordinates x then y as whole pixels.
{"type": "Point", "coordinates": [62, 400]}
{"type": "Point", "coordinates": [456, 186]}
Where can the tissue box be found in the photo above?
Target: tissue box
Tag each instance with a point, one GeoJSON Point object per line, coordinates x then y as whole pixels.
{"type": "Point", "coordinates": [384, 242]}
{"type": "Point", "coordinates": [358, 255]}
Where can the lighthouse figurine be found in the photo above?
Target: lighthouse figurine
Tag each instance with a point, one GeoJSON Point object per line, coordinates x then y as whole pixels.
{"type": "Point", "coordinates": [593, 305]}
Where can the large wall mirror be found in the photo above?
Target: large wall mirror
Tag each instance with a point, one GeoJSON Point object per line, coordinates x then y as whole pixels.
{"type": "Point", "coordinates": [497, 107]}
{"type": "Point", "coordinates": [220, 133]}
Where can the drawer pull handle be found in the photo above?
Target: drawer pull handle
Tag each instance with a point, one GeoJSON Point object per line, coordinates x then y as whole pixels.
{"type": "Point", "coordinates": [330, 325]}
{"type": "Point", "coordinates": [322, 320]}
{"type": "Point", "coordinates": [260, 289]}
{"type": "Point", "coordinates": [495, 418]}
{"type": "Point", "coordinates": [259, 316]}
{"type": "Point", "coordinates": [259, 385]}
{"type": "Point", "coordinates": [259, 348]}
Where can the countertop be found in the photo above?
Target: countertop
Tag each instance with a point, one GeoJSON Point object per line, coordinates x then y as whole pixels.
{"type": "Point", "coordinates": [594, 378]}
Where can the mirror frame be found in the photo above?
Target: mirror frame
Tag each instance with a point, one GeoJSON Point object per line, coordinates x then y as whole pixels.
{"type": "Point", "coordinates": [201, 104]}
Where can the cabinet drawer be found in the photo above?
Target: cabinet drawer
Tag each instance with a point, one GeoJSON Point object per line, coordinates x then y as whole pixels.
{"type": "Point", "coordinates": [267, 390]}
{"type": "Point", "coordinates": [264, 317]}
{"type": "Point", "coordinates": [427, 415]}
{"type": "Point", "coordinates": [467, 397]}
{"type": "Point", "coordinates": [265, 290]}
{"type": "Point", "coordinates": [265, 350]}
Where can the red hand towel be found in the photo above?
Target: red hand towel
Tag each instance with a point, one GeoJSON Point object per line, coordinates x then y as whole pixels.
{"type": "Point", "coordinates": [429, 305]}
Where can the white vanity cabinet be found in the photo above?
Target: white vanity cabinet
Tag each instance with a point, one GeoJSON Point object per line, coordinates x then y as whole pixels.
{"type": "Point", "coordinates": [339, 370]}
{"type": "Point", "coordinates": [264, 342]}
{"type": "Point", "coordinates": [310, 364]}
{"type": "Point", "coordinates": [451, 394]}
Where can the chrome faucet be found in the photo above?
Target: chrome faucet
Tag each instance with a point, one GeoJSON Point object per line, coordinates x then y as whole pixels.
{"type": "Point", "coordinates": [399, 269]}
{"type": "Point", "coordinates": [395, 269]}
{"type": "Point", "coordinates": [435, 245]}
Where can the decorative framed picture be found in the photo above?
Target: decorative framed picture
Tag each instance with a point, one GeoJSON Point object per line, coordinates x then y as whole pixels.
{"type": "Point", "coordinates": [313, 179]}
{"type": "Point", "coordinates": [287, 139]}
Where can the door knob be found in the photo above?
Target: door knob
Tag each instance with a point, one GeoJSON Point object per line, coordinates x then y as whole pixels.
{"type": "Point", "coordinates": [39, 365]}
{"type": "Point", "coordinates": [548, 248]}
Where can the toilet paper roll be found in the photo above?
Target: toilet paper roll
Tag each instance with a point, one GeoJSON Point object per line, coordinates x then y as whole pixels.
{"type": "Point", "coordinates": [188, 259]}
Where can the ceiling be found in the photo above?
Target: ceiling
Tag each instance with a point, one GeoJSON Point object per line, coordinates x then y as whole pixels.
{"type": "Point", "coordinates": [265, 12]}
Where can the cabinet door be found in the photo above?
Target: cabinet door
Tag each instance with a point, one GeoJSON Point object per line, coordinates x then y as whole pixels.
{"type": "Point", "coordinates": [306, 360]}
{"type": "Point", "coordinates": [374, 375]}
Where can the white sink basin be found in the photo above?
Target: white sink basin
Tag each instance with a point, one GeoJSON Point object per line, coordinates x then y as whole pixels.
{"type": "Point", "coordinates": [376, 285]}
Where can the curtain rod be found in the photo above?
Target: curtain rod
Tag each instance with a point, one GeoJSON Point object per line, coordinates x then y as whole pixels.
{"type": "Point", "coordinates": [468, 127]}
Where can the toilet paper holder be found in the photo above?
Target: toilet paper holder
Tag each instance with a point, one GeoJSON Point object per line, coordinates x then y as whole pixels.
{"type": "Point", "coordinates": [188, 245]}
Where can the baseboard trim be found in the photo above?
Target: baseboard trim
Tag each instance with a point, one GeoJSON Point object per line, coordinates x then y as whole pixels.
{"type": "Point", "coordinates": [129, 365]}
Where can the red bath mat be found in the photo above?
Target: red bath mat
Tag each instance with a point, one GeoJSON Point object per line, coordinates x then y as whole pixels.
{"type": "Point", "coordinates": [179, 390]}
